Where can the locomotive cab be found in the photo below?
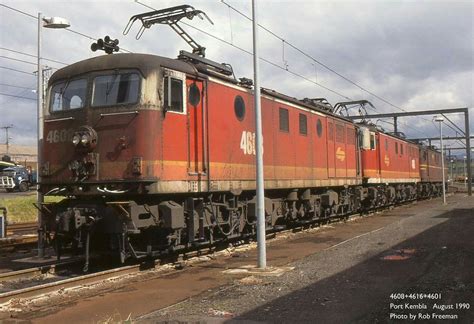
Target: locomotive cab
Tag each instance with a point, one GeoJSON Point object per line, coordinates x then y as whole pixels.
{"type": "Point", "coordinates": [104, 118]}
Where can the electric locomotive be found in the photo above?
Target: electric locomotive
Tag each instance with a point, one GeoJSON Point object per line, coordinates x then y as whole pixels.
{"type": "Point", "coordinates": [155, 155]}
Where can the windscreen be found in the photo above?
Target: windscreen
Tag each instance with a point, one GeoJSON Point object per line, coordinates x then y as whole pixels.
{"type": "Point", "coordinates": [115, 89]}
{"type": "Point", "coordinates": [68, 95]}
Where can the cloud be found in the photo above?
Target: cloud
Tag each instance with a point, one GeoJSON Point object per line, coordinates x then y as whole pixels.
{"type": "Point", "coordinates": [415, 54]}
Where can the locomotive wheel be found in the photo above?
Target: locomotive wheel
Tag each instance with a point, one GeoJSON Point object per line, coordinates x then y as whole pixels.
{"type": "Point", "coordinates": [9, 189]}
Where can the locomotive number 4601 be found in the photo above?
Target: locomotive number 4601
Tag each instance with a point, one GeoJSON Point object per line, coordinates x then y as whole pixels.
{"type": "Point", "coordinates": [59, 135]}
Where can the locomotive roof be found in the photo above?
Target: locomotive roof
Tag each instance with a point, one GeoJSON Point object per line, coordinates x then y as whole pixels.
{"type": "Point", "coordinates": [373, 128]}
{"type": "Point", "coordinates": [143, 62]}
{"type": "Point", "coordinates": [147, 62]}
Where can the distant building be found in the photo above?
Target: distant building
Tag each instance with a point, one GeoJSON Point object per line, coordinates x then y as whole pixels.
{"type": "Point", "coordinates": [22, 154]}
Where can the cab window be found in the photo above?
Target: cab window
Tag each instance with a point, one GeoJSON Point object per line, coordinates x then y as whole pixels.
{"type": "Point", "coordinates": [115, 89]}
{"type": "Point", "coordinates": [67, 95]}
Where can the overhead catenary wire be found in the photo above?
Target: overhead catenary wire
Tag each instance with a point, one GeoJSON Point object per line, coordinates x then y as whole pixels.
{"type": "Point", "coordinates": [17, 60]}
{"type": "Point", "coordinates": [456, 126]}
{"type": "Point", "coordinates": [67, 29]}
{"type": "Point", "coordinates": [21, 93]}
{"type": "Point", "coordinates": [31, 55]}
{"type": "Point", "coordinates": [23, 61]}
{"type": "Point", "coordinates": [16, 86]}
{"type": "Point", "coordinates": [318, 61]}
{"type": "Point", "coordinates": [250, 53]}
{"type": "Point", "coordinates": [314, 59]}
{"type": "Point", "coordinates": [16, 70]}
{"type": "Point", "coordinates": [271, 63]}
{"type": "Point", "coordinates": [20, 97]}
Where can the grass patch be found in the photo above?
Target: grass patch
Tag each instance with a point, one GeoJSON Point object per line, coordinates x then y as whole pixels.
{"type": "Point", "coordinates": [21, 209]}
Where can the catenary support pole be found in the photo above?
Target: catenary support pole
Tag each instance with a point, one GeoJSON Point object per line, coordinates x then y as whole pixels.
{"type": "Point", "coordinates": [442, 161]}
{"type": "Point", "coordinates": [261, 224]}
{"type": "Point", "coordinates": [39, 92]}
{"type": "Point", "coordinates": [468, 153]}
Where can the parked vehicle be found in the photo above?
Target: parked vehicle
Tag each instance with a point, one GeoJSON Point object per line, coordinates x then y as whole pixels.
{"type": "Point", "coordinates": [17, 177]}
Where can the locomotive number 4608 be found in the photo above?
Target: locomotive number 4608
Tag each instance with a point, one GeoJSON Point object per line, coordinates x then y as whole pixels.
{"type": "Point", "coordinates": [247, 143]}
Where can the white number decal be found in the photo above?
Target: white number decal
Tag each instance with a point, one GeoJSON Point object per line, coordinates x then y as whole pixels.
{"type": "Point", "coordinates": [58, 136]}
{"type": "Point", "coordinates": [49, 138]}
{"type": "Point", "coordinates": [247, 143]}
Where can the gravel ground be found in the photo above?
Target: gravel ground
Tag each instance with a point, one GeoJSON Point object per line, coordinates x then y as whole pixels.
{"type": "Point", "coordinates": [429, 251]}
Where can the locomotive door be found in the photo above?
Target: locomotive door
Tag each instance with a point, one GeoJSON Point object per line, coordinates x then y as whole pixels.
{"type": "Point", "coordinates": [331, 150]}
{"type": "Point", "coordinates": [196, 126]}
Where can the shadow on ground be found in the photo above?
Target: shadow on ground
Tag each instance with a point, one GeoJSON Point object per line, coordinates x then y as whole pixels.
{"type": "Point", "coordinates": [438, 260]}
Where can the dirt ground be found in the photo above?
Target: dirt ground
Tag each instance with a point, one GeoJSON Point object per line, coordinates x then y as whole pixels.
{"type": "Point", "coordinates": [373, 269]}
{"type": "Point", "coordinates": [406, 267]}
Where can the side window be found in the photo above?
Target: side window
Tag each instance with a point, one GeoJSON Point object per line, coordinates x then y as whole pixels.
{"type": "Point", "coordinates": [175, 91]}
{"type": "Point", "coordinates": [396, 147]}
{"type": "Point", "coordinates": [401, 149]}
{"type": "Point", "coordinates": [319, 128]}
{"type": "Point", "coordinates": [372, 141]}
{"type": "Point", "coordinates": [239, 108]}
{"type": "Point", "coordinates": [284, 120]}
{"type": "Point", "coordinates": [194, 95]}
{"type": "Point", "coordinates": [173, 94]}
{"type": "Point", "coordinates": [303, 124]}
{"type": "Point", "coordinates": [386, 144]}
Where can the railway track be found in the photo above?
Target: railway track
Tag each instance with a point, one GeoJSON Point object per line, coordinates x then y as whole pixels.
{"type": "Point", "coordinates": [19, 235]}
{"type": "Point", "coordinates": [59, 283]}
{"type": "Point", "coordinates": [100, 276]}
{"type": "Point", "coordinates": [22, 228]}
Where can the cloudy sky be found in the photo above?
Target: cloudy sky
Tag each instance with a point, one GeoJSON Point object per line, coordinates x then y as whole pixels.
{"type": "Point", "coordinates": [412, 55]}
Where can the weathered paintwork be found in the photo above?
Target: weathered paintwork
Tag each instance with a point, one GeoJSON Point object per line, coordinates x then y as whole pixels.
{"type": "Point", "coordinates": [430, 165]}
{"type": "Point", "coordinates": [204, 148]}
{"type": "Point", "coordinates": [392, 160]}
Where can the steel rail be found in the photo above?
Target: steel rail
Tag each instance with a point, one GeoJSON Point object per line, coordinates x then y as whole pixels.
{"type": "Point", "coordinates": [62, 284]}
{"type": "Point", "coordinates": [117, 272]}
{"type": "Point", "coordinates": [32, 272]}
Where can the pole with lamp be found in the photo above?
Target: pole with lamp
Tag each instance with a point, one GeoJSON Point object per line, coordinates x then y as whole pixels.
{"type": "Point", "coordinates": [452, 170]}
{"type": "Point", "coordinates": [440, 120]}
{"type": "Point", "coordinates": [47, 22]}
{"type": "Point", "coordinates": [464, 174]}
{"type": "Point", "coordinates": [260, 206]}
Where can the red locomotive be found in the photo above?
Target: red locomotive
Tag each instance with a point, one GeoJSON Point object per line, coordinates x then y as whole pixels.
{"type": "Point", "coordinates": [156, 154]}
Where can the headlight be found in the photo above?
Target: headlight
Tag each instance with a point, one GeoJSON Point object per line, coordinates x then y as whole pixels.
{"type": "Point", "coordinates": [85, 139]}
{"type": "Point", "coordinates": [76, 139]}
